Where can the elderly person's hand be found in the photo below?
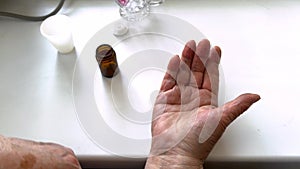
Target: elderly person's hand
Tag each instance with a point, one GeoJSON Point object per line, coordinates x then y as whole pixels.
{"type": "Point", "coordinates": [187, 121]}
{"type": "Point", "coordinates": [24, 154]}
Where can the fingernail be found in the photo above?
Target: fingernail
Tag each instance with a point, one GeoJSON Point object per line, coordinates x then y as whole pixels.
{"type": "Point", "coordinates": [218, 49]}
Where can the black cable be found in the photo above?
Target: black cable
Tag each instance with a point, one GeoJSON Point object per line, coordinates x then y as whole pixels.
{"type": "Point", "coordinates": [33, 18]}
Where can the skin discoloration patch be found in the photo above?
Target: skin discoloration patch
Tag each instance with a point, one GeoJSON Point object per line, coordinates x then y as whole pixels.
{"type": "Point", "coordinates": [28, 161]}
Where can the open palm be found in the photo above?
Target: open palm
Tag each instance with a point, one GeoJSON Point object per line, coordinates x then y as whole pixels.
{"type": "Point", "coordinates": [187, 121]}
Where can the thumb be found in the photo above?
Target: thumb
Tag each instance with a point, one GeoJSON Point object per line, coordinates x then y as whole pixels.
{"type": "Point", "coordinates": [236, 107]}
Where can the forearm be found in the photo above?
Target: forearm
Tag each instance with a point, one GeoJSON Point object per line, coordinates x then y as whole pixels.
{"type": "Point", "coordinates": [18, 153]}
{"type": "Point", "coordinates": [6, 154]}
{"type": "Point", "coordinates": [173, 162]}
{"type": "Point", "coordinates": [4, 145]}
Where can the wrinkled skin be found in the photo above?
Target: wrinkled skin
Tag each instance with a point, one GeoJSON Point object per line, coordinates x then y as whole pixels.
{"type": "Point", "coordinates": [24, 154]}
{"type": "Point", "coordinates": [187, 121]}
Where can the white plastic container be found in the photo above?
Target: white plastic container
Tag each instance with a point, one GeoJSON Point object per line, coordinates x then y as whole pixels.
{"type": "Point", "coordinates": [58, 30]}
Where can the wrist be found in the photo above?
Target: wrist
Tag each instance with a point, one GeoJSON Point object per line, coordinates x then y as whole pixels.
{"type": "Point", "coordinates": [173, 161]}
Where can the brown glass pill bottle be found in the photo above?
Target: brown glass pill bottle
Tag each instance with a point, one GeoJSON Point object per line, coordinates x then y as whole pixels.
{"type": "Point", "coordinates": [107, 60]}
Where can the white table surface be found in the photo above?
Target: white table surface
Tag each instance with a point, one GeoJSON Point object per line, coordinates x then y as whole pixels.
{"type": "Point", "coordinates": [260, 43]}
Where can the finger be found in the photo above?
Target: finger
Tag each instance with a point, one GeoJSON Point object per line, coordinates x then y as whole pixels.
{"type": "Point", "coordinates": [211, 75]}
{"type": "Point", "coordinates": [169, 79]}
{"type": "Point", "coordinates": [233, 109]}
{"type": "Point", "coordinates": [218, 49]}
{"type": "Point", "coordinates": [172, 96]}
{"type": "Point", "coordinates": [188, 52]}
{"type": "Point", "coordinates": [183, 76]}
{"type": "Point", "coordinates": [197, 66]}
